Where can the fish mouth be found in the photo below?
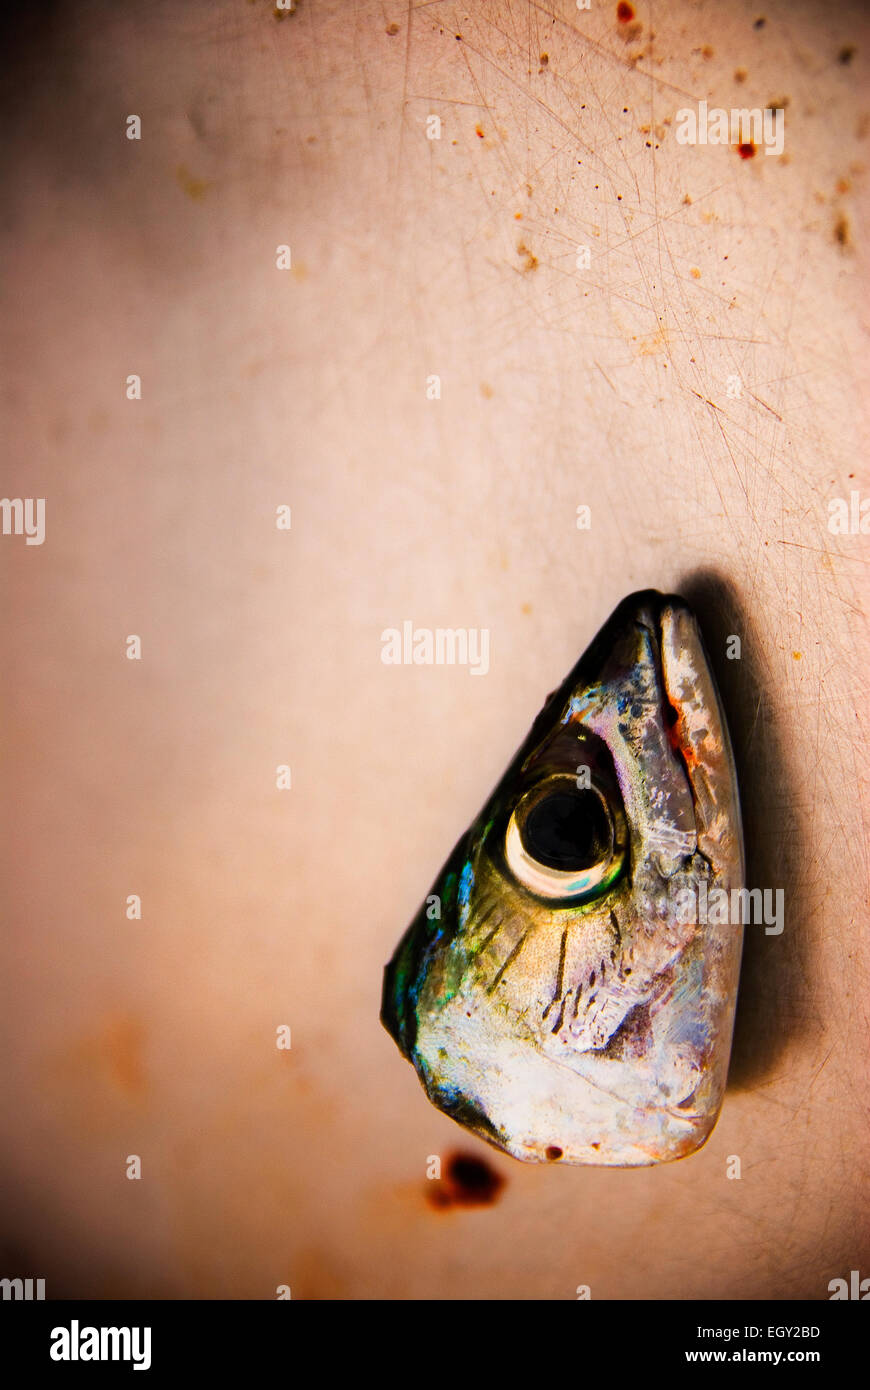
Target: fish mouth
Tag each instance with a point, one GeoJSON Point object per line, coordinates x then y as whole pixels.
{"type": "Point", "coordinates": [697, 728]}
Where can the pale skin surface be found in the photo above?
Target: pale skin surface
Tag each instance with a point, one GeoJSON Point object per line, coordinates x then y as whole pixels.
{"type": "Point", "coordinates": [560, 386]}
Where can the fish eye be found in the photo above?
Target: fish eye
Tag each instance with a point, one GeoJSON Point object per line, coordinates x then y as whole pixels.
{"type": "Point", "coordinates": [564, 841]}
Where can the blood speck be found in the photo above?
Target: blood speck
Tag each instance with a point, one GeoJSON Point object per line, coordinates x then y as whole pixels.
{"type": "Point", "coordinates": [478, 130]}
{"type": "Point", "coordinates": [624, 12]}
{"type": "Point", "coordinates": [746, 151]}
{"type": "Point", "coordinates": [469, 1181]}
{"type": "Point", "coordinates": [554, 1152]}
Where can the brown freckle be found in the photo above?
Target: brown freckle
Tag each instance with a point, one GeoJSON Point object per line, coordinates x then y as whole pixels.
{"type": "Point", "coordinates": [843, 186]}
{"type": "Point", "coordinates": [531, 258]}
{"type": "Point", "coordinates": [525, 608]}
{"type": "Point", "coordinates": [544, 59]}
{"type": "Point", "coordinates": [695, 273]}
{"type": "Point", "coordinates": [687, 198]}
{"type": "Point", "coordinates": [846, 54]}
{"type": "Point", "coordinates": [479, 131]}
{"type": "Point", "coordinates": [706, 51]}
{"type": "Point", "coordinates": [760, 22]}
{"type": "Point", "coordinates": [392, 29]}
{"type": "Point", "coordinates": [740, 74]}
{"type": "Point", "coordinates": [195, 188]}
{"type": "Point", "coordinates": [553, 1152]}
{"type": "Point", "coordinates": [841, 231]}
{"type": "Point", "coordinates": [487, 392]}
{"type": "Point", "coordinates": [746, 150]}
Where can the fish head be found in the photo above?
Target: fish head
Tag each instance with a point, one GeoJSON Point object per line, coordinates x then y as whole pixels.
{"type": "Point", "coordinates": [557, 993]}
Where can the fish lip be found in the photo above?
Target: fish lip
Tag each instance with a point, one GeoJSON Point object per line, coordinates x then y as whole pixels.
{"type": "Point", "coordinates": [702, 741]}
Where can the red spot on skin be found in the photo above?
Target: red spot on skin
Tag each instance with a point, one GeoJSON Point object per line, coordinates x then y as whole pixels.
{"type": "Point", "coordinates": [672, 729]}
{"type": "Point", "coordinates": [746, 151]}
{"type": "Point", "coordinates": [468, 1181]}
{"type": "Point", "coordinates": [624, 12]}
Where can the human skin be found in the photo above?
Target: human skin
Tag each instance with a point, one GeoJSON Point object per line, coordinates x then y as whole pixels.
{"type": "Point", "coordinates": [698, 387]}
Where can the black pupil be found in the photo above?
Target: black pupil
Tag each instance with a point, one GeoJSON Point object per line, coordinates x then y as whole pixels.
{"type": "Point", "coordinates": [567, 830]}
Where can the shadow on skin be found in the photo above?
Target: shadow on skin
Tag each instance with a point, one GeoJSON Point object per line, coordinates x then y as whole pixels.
{"type": "Point", "coordinates": [774, 968]}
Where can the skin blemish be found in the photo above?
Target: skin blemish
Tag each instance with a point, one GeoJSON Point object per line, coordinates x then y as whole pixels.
{"type": "Point", "coordinates": [531, 262]}
{"type": "Point", "coordinates": [695, 273]}
{"type": "Point", "coordinates": [624, 12]}
{"type": "Point", "coordinates": [842, 234]}
{"type": "Point", "coordinates": [392, 29]}
{"type": "Point", "coordinates": [194, 188]}
{"type": "Point", "coordinates": [479, 131]}
{"type": "Point", "coordinates": [746, 150]}
{"type": "Point", "coordinates": [553, 1152]}
{"type": "Point", "coordinates": [740, 74]}
{"type": "Point", "coordinates": [846, 54]}
{"type": "Point", "coordinates": [469, 1181]}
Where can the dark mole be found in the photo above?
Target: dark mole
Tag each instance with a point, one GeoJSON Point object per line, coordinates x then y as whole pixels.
{"type": "Point", "coordinates": [595, 1146]}
{"type": "Point", "coordinates": [846, 54]}
{"type": "Point", "coordinates": [841, 231]}
{"type": "Point", "coordinates": [624, 12]}
{"type": "Point", "coordinates": [759, 23]}
{"type": "Point", "coordinates": [746, 151]}
{"type": "Point", "coordinates": [554, 1152]}
{"type": "Point", "coordinates": [468, 1181]}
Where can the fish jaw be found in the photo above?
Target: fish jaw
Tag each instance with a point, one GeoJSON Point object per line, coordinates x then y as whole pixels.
{"type": "Point", "coordinates": [595, 1032]}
